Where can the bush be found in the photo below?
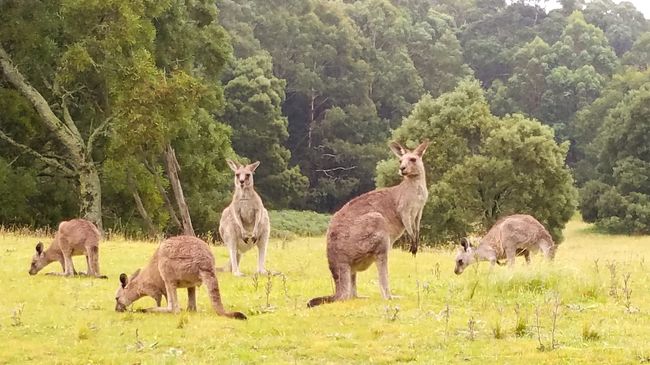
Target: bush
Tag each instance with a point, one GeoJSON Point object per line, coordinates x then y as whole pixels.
{"type": "Point", "coordinates": [289, 223]}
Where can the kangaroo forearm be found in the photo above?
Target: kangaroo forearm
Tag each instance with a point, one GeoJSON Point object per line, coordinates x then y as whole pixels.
{"type": "Point", "coordinates": [238, 223]}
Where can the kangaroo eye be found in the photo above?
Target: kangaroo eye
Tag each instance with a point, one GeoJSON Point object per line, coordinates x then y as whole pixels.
{"type": "Point", "coordinates": [412, 159]}
{"type": "Point", "coordinates": [237, 175]}
{"type": "Point", "coordinates": [248, 175]}
{"type": "Point", "coordinates": [459, 262]}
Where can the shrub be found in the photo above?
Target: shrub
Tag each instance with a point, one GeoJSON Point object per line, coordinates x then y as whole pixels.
{"type": "Point", "coordinates": [289, 223]}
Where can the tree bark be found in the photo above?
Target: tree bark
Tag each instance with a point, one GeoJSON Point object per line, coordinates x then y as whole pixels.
{"type": "Point", "coordinates": [90, 190]}
{"type": "Point", "coordinates": [68, 135]}
{"type": "Point", "coordinates": [151, 228]}
{"type": "Point", "coordinates": [172, 170]}
{"type": "Point", "coordinates": [163, 193]}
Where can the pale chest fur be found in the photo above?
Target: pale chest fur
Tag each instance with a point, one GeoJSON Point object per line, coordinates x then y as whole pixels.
{"type": "Point", "coordinates": [247, 211]}
{"type": "Point", "coordinates": [412, 201]}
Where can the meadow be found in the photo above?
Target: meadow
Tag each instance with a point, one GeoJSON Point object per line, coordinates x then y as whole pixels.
{"type": "Point", "coordinates": [591, 305]}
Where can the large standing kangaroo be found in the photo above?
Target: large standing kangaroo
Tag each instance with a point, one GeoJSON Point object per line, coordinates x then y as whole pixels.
{"type": "Point", "coordinates": [245, 222]}
{"type": "Point", "coordinates": [363, 231]}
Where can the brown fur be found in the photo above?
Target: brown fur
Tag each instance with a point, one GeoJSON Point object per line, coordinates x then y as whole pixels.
{"type": "Point", "coordinates": [245, 222]}
{"type": "Point", "coordinates": [514, 235]}
{"type": "Point", "coordinates": [74, 237]}
{"type": "Point", "coordinates": [179, 262]}
{"type": "Point", "coordinates": [363, 231]}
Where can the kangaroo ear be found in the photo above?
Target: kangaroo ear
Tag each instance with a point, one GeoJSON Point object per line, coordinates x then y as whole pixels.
{"type": "Point", "coordinates": [397, 149]}
{"type": "Point", "coordinates": [232, 164]}
{"type": "Point", "coordinates": [253, 166]}
{"type": "Point", "coordinates": [123, 280]}
{"type": "Point", "coordinates": [465, 243]}
{"type": "Point", "coordinates": [422, 148]}
{"type": "Point", "coordinates": [39, 248]}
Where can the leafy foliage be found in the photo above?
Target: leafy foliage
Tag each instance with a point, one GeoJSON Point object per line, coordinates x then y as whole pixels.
{"type": "Point", "coordinates": [314, 89]}
{"type": "Point", "coordinates": [253, 110]}
{"type": "Point", "coordinates": [618, 198]}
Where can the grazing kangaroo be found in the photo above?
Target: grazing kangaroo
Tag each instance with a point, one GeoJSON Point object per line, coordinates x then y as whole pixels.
{"type": "Point", "coordinates": [179, 262]}
{"type": "Point", "coordinates": [74, 237]}
{"type": "Point", "coordinates": [245, 222]}
{"type": "Point", "coordinates": [363, 231]}
{"type": "Point", "coordinates": [514, 235]}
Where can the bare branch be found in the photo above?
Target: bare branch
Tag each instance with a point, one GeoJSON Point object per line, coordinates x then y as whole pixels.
{"type": "Point", "coordinates": [67, 118]}
{"type": "Point", "coordinates": [47, 160]}
{"type": "Point", "coordinates": [340, 168]}
{"type": "Point", "coordinates": [99, 131]}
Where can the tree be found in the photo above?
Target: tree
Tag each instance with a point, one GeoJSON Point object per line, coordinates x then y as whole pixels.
{"type": "Point", "coordinates": [639, 55]}
{"type": "Point", "coordinates": [551, 83]}
{"type": "Point", "coordinates": [583, 44]}
{"type": "Point", "coordinates": [527, 84]}
{"type": "Point", "coordinates": [621, 23]}
{"type": "Point", "coordinates": [623, 168]}
{"type": "Point", "coordinates": [481, 167]}
{"type": "Point", "coordinates": [116, 87]}
{"type": "Point", "coordinates": [72, 77]}
{"type": "Point", "coordinates": [169, 124]}
{"type": "Point", "coordinates": [590, 119]}
{"type": "Point", "coordinates": [253, 109]}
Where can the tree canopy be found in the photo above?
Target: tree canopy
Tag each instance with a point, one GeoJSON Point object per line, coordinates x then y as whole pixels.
{"type": "Point", "coordinates": [125, 111]}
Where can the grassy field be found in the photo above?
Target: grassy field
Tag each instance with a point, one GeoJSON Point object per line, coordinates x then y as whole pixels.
{"type": "Point", "coordinates": [591, 306]}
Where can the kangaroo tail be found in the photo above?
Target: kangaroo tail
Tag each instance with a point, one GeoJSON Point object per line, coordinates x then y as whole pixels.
{"type": "Point", "coordinates": [320, 300]}
{"type": "Point", "coordinates": [210, 281]}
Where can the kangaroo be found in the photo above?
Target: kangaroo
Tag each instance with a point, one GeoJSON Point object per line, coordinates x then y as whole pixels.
{"type": "Point", "coordinates": [364, 229]}
{"type": "Point", "coordinates": [511, 236]}
{"type": "Point", "coordinates": [179, 262]}
{"type": "Point", "coordinates": [74, 237]}
{"type": "Point", "coordinates": [245, 222]}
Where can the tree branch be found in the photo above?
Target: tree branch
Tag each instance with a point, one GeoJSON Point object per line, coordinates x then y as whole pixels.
{"type": "Point", "coordinates": [67, 118]}
{"type": "Point", "coordinates": [47, 160]}
{"type": "Point", "coordinates": [340, 168]}
{"type": "Point", "coordinates": [99, 131]}
{"type": "Point", "coordinates": [60, 130]}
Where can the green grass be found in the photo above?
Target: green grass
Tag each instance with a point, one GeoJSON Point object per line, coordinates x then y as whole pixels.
{"type": "Point", "coordinates": [491, 316]}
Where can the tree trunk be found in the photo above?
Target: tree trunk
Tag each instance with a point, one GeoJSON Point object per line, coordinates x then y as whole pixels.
{"type": "Point", "coordinates": [163, 193]}
{"type": "Point", "coordinates": [90, 191]}
{"type": "Point", "coordinates": [172, 170]}
{"type": "Point", "coordinates": [310, 120]}
{"type": "Point", "coordinates": [151, 228]}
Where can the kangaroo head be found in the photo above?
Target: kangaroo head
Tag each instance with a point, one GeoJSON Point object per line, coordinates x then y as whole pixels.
{"type": "Point", "coordinates": [465, 257]}
{"type": "Point", "coordinates": [126, 292]}
{"type": "Point", "coordinates": [410, 162]}
{"type": "Point", "coordinates": [39, 261]}
{"type": "Point", "coordinates": [243, 173]}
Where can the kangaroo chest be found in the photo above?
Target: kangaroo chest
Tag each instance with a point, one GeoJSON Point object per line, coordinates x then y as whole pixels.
{"type": "Point", "coordinates": [412, 202]}
{"type": "Point", "coordinates": [247, 212]}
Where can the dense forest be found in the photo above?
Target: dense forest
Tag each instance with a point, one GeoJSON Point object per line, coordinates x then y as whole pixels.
{"type": "Point", "coordinates": [125, 111]}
